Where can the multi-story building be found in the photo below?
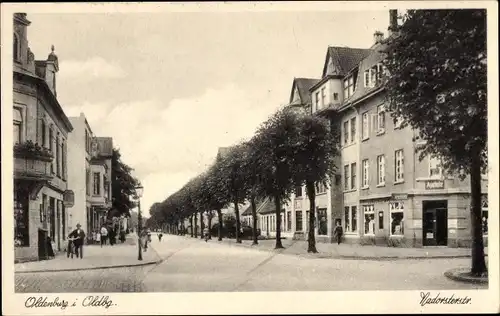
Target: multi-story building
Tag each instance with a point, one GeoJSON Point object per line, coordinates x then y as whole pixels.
{"type": "Point", "coordinates": [41, 131]}
{"type": "Point", "coordinates": [383, 193]}
{"type": "Point", "coordinates": [91, 181]}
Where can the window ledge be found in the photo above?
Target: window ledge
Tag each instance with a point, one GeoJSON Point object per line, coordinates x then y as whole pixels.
{"type": "Point", "coordinates": [381, 185]}
{"type": "Point", "coordinates": [369, 234]}
{"type": "Point", "coordinates": [365, 139]}
{"type": "Point", "coordinates": [399, 182]}
{"type": "Point", "coordinates": [380, 133]}
{"type": "Point", "coordinates": [322, 193]}
{"type": "Point", "coordinates": [396, 236]}
{"type": "Point", "coordinates": [365, 188]}
{"type": "Point", "coordinates": [351, 234]}
{"type": "Point", "coordinates": [350, 190]}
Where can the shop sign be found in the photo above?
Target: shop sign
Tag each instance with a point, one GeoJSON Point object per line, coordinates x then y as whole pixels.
{"type": "Point", "coordinates": [399, 196]}
{"type": "Point", "coordinates": [434, 184]}
{"type": "Point", "coordinates": [68, 198]}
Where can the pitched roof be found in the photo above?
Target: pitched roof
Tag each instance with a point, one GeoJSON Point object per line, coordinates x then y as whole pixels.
{"type": "Point", "coordinates": [345, 58]}
{"type": "Point", "coordinates": [266, 207]}
{"type": "Point", "coordinates": [375, 56]}
{"type": "Point", "coordinates": [303, 85]}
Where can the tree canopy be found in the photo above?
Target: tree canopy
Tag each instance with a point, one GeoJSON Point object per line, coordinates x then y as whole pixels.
{"type": "Point", "coordinates": [123, 184]}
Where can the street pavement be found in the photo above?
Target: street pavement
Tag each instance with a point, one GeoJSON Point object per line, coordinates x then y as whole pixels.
{"type": "Point", "coordinates": [192, 265]}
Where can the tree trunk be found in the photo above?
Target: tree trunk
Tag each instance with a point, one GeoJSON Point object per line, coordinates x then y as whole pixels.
{"type": "Point", "coordinates": [202, 225]}
{"type": "Point", "coordinates": [210, 214]}
{"type": "Point", "coordinates": [478, 262]}
{"type": "Point", "coordinates": [238, 224]}
{"type": "Point", "coordinates": [254, 217]}
{"type": "Point", "coordinates": [219, 215]}
{"type": "Point", "coordinates": [277, 203]}
{"type": "Point", "coordinates": [192, 225]}
{"type": "Point", "coordinates": [196, 225]}
{"type": "Point", "coordinates": [311, 240]}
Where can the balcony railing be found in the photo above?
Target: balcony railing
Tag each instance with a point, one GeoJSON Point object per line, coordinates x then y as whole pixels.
{"type": "Point", "coordinates": [32, 162]}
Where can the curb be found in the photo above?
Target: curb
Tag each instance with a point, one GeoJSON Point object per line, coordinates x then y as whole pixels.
{"type": "Point", "coordinates": [93, 268]}
{"type": "Point", "coordinates": [455, 275]}
{"type": "Point", "coordinates": [341, 257]}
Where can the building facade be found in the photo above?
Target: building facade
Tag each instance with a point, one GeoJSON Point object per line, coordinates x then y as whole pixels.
{"type": "Point", "coordinates": [383, 193]}
{"type": "Point", "coordinates": [40, 133]}
{"type": "Point", "coordinates": [92, 181]}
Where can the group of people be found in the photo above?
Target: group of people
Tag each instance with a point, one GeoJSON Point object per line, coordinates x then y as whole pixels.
{"type": "Point", "coordinates": [76, 239]}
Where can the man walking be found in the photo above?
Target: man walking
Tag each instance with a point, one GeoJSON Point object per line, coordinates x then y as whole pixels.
{"type": "Point", "coordinates": [78, 236]}
{"type": "Point", "coordinates": [104, 235]}
{"type": "Point", "coordinates": [338, 232]}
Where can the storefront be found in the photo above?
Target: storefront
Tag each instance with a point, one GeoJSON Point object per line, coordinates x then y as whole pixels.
{"type": "Point", "coordinates": [435, 223]}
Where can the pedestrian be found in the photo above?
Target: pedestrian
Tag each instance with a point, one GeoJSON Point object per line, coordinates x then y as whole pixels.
{"type": "Point", "coordinates": [78, 236]}
{"type": "Point", "coordinates": [98, 238]}
{"type": "Point", "coordinates": [104, 235]}
{"type": "Point", "coordinates": [338, 232]}
{"type": "Point", "coordinates": [205, 233]}
{"type": "Point", "coordinates": [159, 236]}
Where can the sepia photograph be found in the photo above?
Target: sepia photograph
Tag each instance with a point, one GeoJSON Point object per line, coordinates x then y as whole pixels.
{"type": "Point", "coordinates": [215, 149]}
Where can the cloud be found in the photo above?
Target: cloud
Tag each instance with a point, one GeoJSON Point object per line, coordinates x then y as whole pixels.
{"type": "Point", "coordinates": [167, 144]}
{"type": "Point", "coordinates": [95, 67]}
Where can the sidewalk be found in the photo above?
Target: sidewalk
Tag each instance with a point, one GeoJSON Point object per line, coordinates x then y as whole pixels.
{"type": "Point", "coordinates": [94, 257]}
{"type": "Point", "coordinates": [353, 251]}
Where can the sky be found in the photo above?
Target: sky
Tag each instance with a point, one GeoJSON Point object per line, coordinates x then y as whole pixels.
{"type": "Point", "coordinates": [172, 87]}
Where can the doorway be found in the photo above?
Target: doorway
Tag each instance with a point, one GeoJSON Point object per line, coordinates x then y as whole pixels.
{"type": "Point", "coordinates": [435, 223]}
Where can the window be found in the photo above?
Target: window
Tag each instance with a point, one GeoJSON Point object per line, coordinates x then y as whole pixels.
{"type": "Point", "coordinates": [335, 96]}
{"type": "Point", "coordinates": [348, 87]}
{"type": "Point", "coordinates": [353, 129]}
{"type": "Point", "coordinates": [350, 214]}
{"type": "Point", "coordinates": [15, 47]}
{"type": "Point", "coordinates": [86, 141]}
{"type": "Point", "coordinates": [353, 176]}
{"type": "Point", "coordinates": [21, 221]}
{"type": "Point", "coordinates": [298, 221]}
{"type": "Point", "coordinates": [365, 173]}
{"type": "Point", "coordinates": [365, 128]}
{"type": "Point", "coordinates": [44, 133]}
{"type": "Point", "coordinates": [18, 125]}
{"type": "Point", "coordinates": [397, 218]}
{"type": "Point", "coordinates": [323, 97]}
{"type": "Point", "coordinates": [58, 157]}
{"type": "Point", "coordinates": [435, 170]}
{"type": "Point", "coordinates": [323, 222]}
{"type": "Point", "coordinates": [63, 160]}
{"type": "Point", "coordinates": [380, 119]}
{"type": "Point", "coordinates": [87, 182]}
{"type": "Point", "coordinates": [373, 76]}
{"type": "Point", "coordinates": [320, 188]}
{"type": "Point", "coordinates": [369, 212]}
{"type": "Point", "coordinates": [43, 209]}
{"type": "Point", "coordinates": [484, 216]}
{"type": "Point", "coordinates": [399, 166]}
{"type": "Point", "coordinates": [346, 177]}
{"type": "Point", "coordinates": [397, 122]}
{"type": "Point", "coordinates": [346, 132]}
{"type": "Point", "coordinates": [381, 170]}
{"type": "Point", "coordinates": [298, 191]}
{"type": "Point", "coordinates": [51, 147]}
{"type": "Point", "coordinates": [289, 220]}
{"type": "Point", "coordinates": [317, 100]}
{"type": "Point", "coordinates": [97, 183]}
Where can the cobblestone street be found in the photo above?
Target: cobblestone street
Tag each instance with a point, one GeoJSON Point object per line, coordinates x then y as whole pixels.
{"type": "Point", "coordinates": [191, 265]}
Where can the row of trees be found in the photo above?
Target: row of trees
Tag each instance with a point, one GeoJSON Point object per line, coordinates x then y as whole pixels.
{"type": "Point", "coordinates": [290, 149]}
{"type": "Point", "coordinates": [437, 84]}
{"type": "Point", "coordinates": [123, 186]}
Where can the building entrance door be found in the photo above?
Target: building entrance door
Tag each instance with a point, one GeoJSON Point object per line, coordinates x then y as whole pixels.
{"type": "Point", "coordinates": [435, 223]}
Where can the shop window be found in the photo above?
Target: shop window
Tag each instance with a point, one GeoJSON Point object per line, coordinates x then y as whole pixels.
{"type": "Point", "coordinates": [21, 223]}
{"type": "Point", "coordinates": [350, 220]}
{"type": "Point", "coordinates": [323, 222]}
{"type": "Point", "coordinates": [397, 218]}
{"type": "Point", "coordinates": [369, 212]}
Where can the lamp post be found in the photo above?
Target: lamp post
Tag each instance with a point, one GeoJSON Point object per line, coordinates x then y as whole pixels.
{"type": "Point", "coordinates": [138, 192]}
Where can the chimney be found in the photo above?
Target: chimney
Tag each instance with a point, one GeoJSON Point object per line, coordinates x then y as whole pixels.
{"type": "Point", "coordinates": [378, 37]}
{"type": "Point", "coordinates": [393, 21]}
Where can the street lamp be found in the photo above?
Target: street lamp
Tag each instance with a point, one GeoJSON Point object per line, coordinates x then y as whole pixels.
{"type": "Point", "coordinates": [138, 192]}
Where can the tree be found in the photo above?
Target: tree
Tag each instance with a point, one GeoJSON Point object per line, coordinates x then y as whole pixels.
{"type": "Point", "coordinates": [315, 162]}
{"type": "Point", "coordinates": [251, 175]}
{"type": "Point", "coordinates": [218, 195]}
{"type": "Point", "coordinates": [437, 85]}
{"type": "Point", "coordinates": [275, 145]}
{"type": "Point", "coordinates": [123, 184]}
{"type": "Point", "coordinates": [233, 180]}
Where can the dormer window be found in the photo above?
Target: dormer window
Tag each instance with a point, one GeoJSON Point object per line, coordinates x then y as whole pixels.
{"type": "Point", "coordinates": [348, 87]}
{"type": "Point", "coordinates": [373, 76]}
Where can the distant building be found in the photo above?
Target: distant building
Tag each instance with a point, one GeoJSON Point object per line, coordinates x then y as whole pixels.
{"type": "Point", "coordinates": [92, 180]}
{"type": "Point", "coordinates": [40, 134]}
